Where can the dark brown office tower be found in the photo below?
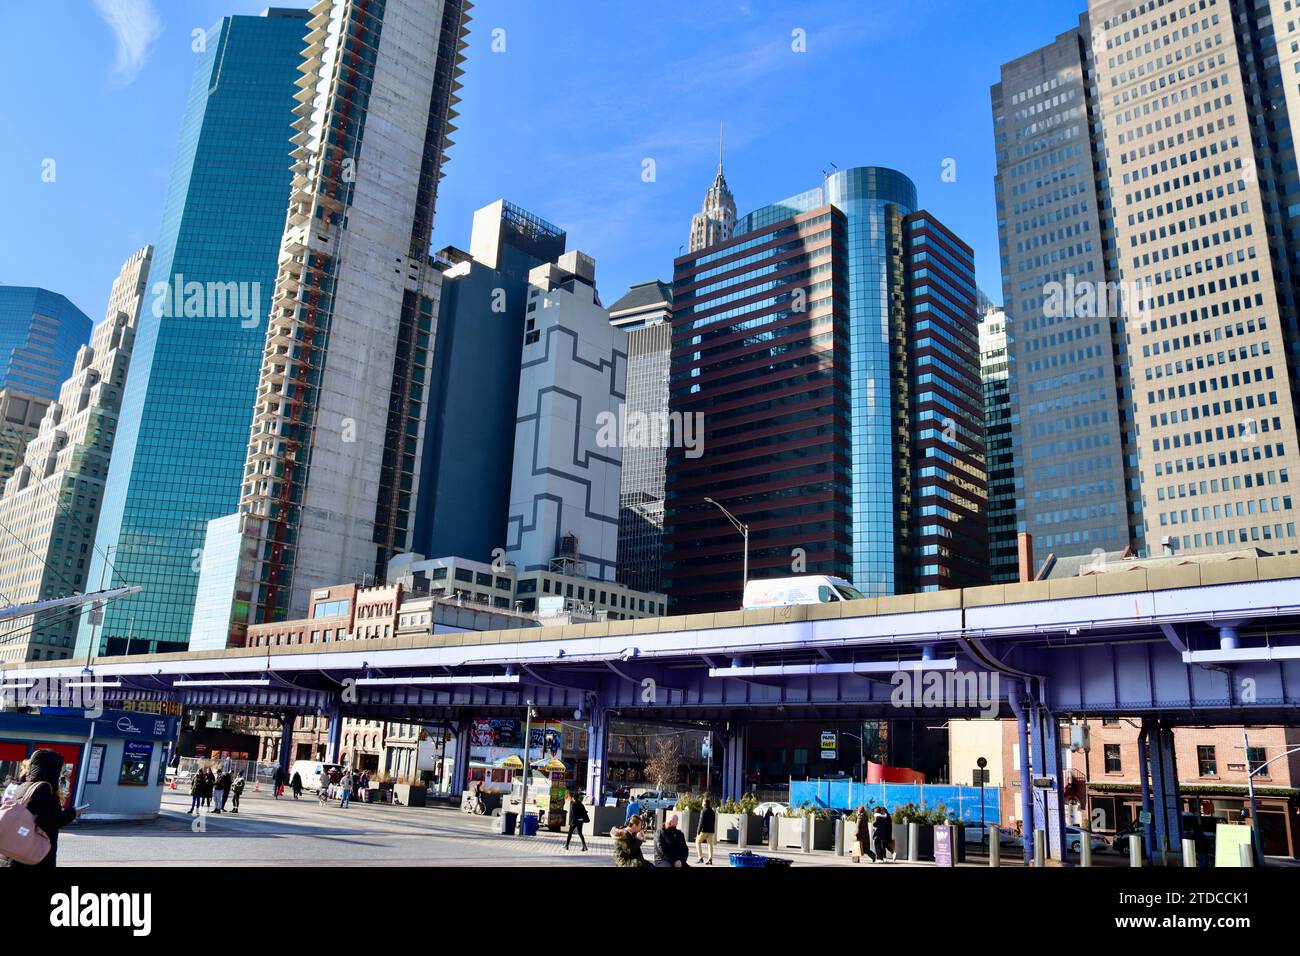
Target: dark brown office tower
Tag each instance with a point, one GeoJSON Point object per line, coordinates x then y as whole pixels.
{"type": "Point", "coordinates": [949, 485]}
{"type": "Point", "coordinates": [760, 353]}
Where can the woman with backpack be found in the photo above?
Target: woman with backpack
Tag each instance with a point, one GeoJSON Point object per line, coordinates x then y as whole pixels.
{"type": "Point", "coordinates": [40, 794]}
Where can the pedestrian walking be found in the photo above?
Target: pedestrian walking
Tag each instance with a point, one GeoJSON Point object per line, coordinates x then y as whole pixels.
{"type": "Point", "coordinates": [296, 784]}
{"type": "Point", "coordinates": [577, 818]}
{"type": "Point", "coordinates": [236, 791]}
{"type": "Point", "coordinates": [345, 788]}
{"type": "Point", "coordinates": [277, 782]}
{"type": "Point", "coordinates": [670, 845]}
{"type": "Point", "coordinates": [767, 824]}
{"type": "Point", "coordinates": [41, 795]}
{"type": "Point", "coordinates": [633, 810]}
{"type": "Point", "coordinates": [209, 785]}
{"type": "Point", "coordinates": [862, 835]}
{"type": "Point", "coordinates": [627, 844]}
{"type": "Point", "coordinates": [707, 833]}
{"type": "Point", "coordinates": [221, 789]}
{"type": "Point", "coordinates": [882, 834]}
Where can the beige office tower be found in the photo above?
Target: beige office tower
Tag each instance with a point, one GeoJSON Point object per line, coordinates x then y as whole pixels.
{"type": "Point", "coordinates": [50, 505]}
{"type": "Point", "coordinates": [1197, 110]}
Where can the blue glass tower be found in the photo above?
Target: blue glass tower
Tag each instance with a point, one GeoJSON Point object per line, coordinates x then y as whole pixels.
{"type": "Point", "coordinates": [875, 201]}
{"type": "Point", "coordinates": [40, 332]}
{"type": "Point", "coordinates": [188, 404]}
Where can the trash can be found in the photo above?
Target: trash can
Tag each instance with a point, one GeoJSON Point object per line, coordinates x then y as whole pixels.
{"type": "Point", "coordinates": [508, 822]}
{"type": "Point", "coordinates": [529, 825]}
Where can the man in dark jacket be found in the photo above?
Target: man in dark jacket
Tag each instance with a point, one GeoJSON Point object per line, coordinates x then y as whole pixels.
{"type": "Point", "coordinates": [706, 833]}
{"type": "Point", "coordinates": [670, 845]}
{"type": "Point", "coordinates": [882, 831]}
{"type": "Point", "coordinates": [577, 817]}
{"type": "Point", "coordinates": [43, 773]}
{"type": "Point", "coordinates": [277, 782]}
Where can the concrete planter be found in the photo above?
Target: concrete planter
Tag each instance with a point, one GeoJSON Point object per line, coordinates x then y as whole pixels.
{"type": "Point", "coordinates": [792, 830]}
{"type": "Point", "coordinates": [411, 795]}
{"type": "Point", "coordinates": [604, 819]}
{"type": "Point", "coordinates": [729, 825]}
{"type": "Point", "coordinates": [924, 841]}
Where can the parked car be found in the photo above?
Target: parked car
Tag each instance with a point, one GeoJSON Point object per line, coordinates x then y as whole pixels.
{"type": "Point", "coordinates": [778, 809]}
{"type": "Point", "coordinates": [1200, 829]}
{"type": "Point", "coordinates": [653, 800]}
{"type": "Point", "coordinates": [975, 833]}
{"type": "Point", "coordinates": [1074, 840]}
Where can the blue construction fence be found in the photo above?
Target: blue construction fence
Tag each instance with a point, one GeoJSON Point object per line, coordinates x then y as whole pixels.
{"type": "Point", "coordinates": [963, 802]}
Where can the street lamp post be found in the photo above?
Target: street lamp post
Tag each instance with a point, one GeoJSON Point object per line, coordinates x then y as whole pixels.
{"type": "Point", "coordinates": [743, 528]}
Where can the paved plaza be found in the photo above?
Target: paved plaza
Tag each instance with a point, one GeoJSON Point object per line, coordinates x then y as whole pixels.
{"type": "Point", "coordinates": [288, 832]}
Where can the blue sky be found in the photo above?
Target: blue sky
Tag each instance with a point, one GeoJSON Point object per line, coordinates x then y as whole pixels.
{"type": "Point", "coordinates": [560, 122]}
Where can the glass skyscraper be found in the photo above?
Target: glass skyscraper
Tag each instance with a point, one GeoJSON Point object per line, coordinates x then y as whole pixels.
{"type": "Point", "coordinates": [189, 399]}
{"type": "Point", "coordinates": [40, 332]}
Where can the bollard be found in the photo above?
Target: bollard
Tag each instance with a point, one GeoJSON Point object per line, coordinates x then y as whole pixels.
{"type": "Point", "coordinates": [742, 838]}
{"type": "Point", "coordinates": [805, 836]}
{"type": "Point", "coordinates": [913, 843]}
{"type": "Point", "coordinates": [995, 846]}
{"type": "Point", "coordinates": [1085, 847]}
{"type": "Point", "coordinates": [773, 836]}
{"type": "Point", "coordinates": [661, 817]}
{"type": "Point", "coordinates": [1246, 854]}
{"type": "Point", "coordinates": [1040, 848]}
{"type": "Point", "coordinates": [1189, 852]}
{"type": "Point", "coordinates": [841, 834]}
{"type": "Point", "coordinates": [1135, 857]}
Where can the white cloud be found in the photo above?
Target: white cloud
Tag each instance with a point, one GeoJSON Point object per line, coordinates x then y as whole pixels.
{"type": "Point", "coordinates": [136, 26]}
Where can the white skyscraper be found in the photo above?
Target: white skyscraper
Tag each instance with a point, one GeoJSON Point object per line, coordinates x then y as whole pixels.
{"type": "Point", "coordinates": [568, 455]}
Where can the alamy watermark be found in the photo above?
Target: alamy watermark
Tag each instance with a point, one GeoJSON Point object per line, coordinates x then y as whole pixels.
{"type": "Point", "coordinates": [208, 300]}
{"type": "Point", "coordinates": [1085, 299]}
{"type": "Point", "coordinates": [661, 429]}
{"type": "Point", "coordinates": [21, 692]}
{"type": "Point", "coordinates": [974, 690]}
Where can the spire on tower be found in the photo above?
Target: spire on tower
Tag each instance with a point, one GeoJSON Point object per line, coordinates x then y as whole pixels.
{"type": "Point", "coordinates": [720, 131]}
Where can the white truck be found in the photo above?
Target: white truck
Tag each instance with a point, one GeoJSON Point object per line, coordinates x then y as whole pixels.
{"type": "Point", "coordinates": [808, 589]}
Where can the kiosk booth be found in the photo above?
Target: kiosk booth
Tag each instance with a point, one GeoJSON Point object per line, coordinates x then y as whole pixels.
{"type": "Point", "coordinates": [114, 762]}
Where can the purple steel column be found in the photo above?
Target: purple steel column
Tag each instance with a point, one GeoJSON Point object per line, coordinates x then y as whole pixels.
{"type": "Point", "coordinates": [286, 739]}
{"type": "Point", "coordinates": [1144, 766]}
{"type": "Point", "coordinates": [334, 736]}
{"type": "Point", "coordinates": [733, 760]}
{"type": "Point", "coordinates": [597, 747]}
{"type": "Point", "coordinates": [460, 760]}
{"type": "Point", "coordinates": [1026, 778]}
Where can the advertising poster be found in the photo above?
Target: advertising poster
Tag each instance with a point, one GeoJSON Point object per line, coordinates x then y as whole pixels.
{"type": "Point", "coordinates": [135, 763]}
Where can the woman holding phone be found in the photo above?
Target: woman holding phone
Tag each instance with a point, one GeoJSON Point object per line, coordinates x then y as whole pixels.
{"type": "Point", "coordinates": [44, 770]}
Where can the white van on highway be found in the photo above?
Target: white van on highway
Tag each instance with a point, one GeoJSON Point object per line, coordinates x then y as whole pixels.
{"type": "Point", "coordinates": [809, 589]}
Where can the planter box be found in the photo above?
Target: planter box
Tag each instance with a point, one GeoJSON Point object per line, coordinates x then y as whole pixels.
{"type": "Point", "coordinates": [604, 819]}
{"type": "Point", "coordinates": [790, 834]}
{"type": "Point", "coordinates": [924, 839]}
{"type": "Point", "coordinates": [729, 828]}
{"type": "Point", "coordinates": [410, 795]}
{"type": "Point", "coordinates": [823, 834]}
